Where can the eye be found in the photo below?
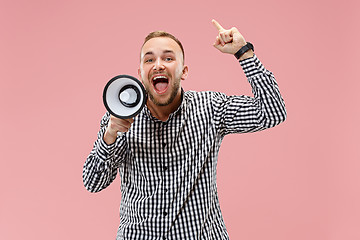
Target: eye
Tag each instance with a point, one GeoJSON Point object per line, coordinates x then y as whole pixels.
{"type": "Point", "coordinates": [168, 59]}
{"type": "Point", "coordinates": [150, 60]}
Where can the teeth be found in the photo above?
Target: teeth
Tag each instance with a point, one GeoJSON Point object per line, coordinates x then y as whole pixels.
{"type": "Point", "coordinates": [158, 77]}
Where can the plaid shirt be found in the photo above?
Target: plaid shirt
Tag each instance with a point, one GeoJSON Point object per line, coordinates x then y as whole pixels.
{"type": "Point", "coordinates": [168, 169]}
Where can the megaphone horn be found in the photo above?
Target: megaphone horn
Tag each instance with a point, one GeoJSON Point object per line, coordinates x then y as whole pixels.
{"type": "Point", "coordinates": [124, 96]}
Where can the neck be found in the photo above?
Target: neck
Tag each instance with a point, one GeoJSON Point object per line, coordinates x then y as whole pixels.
{"type": "Point", "coordinates": [163, 112]}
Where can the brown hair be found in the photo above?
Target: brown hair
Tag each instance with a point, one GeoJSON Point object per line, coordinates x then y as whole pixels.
{"type": "Point", "coordinates": [164, 34]}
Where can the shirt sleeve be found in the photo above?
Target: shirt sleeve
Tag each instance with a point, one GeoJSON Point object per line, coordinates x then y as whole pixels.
{"type": "Point", "coordinates": [100, 168]}
{"type": "Point", "coordinates": [241, 114]}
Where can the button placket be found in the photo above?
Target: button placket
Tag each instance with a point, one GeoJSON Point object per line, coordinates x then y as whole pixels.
{"type": "Point", "coordinates": [163, 162]}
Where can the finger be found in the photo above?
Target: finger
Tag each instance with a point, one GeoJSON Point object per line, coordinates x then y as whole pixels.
{"type": "Point", "coordinates": [217, 25]}
{"type": "Point", "coordinates": [122, 127]}
{"type": "Point", "coordinates": [119, 120]}
{"type": "Point", "coordinates": [222, 42]}
{"type": "Point", "coordinates": [125, 123]}
{"type": "Point", "coordinates": [226, 36]}
{"type": "Point", "coordinates": [130, 120]}
{"type": "Point", "coordinates": [217, 43]}
{"type": "Point", "coordinates": [117, 123]}
{"type": "Point", "coordinates": [224, 39]}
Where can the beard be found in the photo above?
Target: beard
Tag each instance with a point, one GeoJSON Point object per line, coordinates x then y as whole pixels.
{"type": "Point", "coordinates": [175, 89]}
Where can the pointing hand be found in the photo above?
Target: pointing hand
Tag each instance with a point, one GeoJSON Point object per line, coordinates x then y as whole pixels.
{"type": "Point", "coordinates": [228, 40]}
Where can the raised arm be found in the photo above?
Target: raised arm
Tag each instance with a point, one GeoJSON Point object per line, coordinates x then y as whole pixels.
{"type": "Point", "coordinates": [240, 114]}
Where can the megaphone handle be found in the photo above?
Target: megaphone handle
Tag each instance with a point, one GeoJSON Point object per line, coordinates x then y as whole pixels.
{"type": "Point", "coordinates": [120, 134]}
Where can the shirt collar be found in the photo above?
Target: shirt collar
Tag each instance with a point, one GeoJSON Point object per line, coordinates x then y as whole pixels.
{"type": "Point", "coordinates": [179, 110]}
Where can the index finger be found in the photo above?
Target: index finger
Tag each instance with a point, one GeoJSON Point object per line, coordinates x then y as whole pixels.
{"type": "Point", "coordinates": [217, 25]}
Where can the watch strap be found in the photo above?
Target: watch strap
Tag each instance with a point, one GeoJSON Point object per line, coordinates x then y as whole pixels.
{"type": "Point", "coordinates": [244, 49]}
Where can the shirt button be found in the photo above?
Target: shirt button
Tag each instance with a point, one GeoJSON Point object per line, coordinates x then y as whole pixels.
{"type": "Point", "coordinates": [165, 168]}
{"type": "Point", "coordinates": [165, 213]}
{"type": "Point", "coordinates": [164, 145]}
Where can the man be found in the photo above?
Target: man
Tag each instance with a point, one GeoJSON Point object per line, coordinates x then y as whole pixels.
{"type": "Point", "coordinates": [167, 157]}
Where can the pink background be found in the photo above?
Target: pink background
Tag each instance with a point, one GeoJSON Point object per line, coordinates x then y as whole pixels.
{"type": "Point", "coordinates": [300, 180]}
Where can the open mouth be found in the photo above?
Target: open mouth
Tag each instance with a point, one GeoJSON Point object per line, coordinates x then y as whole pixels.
{"type": "Point", "coordinates": [161, 83]}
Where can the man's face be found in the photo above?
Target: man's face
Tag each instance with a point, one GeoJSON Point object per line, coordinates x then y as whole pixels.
{"type": "Point", "coordinates": [161, 69]}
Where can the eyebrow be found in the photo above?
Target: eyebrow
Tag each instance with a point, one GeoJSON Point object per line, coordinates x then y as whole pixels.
{"type": "Point", "coordinates": [165, 51]}
{"type": "Point", "coordinates": [169, 51]}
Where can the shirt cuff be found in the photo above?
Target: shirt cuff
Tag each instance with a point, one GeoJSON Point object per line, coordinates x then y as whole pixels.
{"type": "Point", "coordinates": [252, 66]}
{"type": "Point", "coordinates": [104, 150]}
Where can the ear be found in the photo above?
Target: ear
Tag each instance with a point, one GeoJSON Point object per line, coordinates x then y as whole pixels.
{"type": "Point", "coordinates": [185, 72]}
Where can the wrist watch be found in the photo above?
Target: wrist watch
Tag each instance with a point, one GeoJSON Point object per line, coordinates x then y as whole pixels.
{"type": "Point", "coordinates": [244, 49]}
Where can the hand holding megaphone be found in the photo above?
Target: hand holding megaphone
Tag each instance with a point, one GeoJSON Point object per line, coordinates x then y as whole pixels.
{"type": "Point", "coordinates": [124, 97]}
{"type": "Point", "coordinates": [116, 127]}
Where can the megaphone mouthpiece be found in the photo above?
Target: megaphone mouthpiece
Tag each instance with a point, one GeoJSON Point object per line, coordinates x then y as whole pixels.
{"type": "Point", "coordinates": [129, 95]}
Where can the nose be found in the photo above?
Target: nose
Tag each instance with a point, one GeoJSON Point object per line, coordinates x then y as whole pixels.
{"type": "Point", "coordinates": [158, 65]}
